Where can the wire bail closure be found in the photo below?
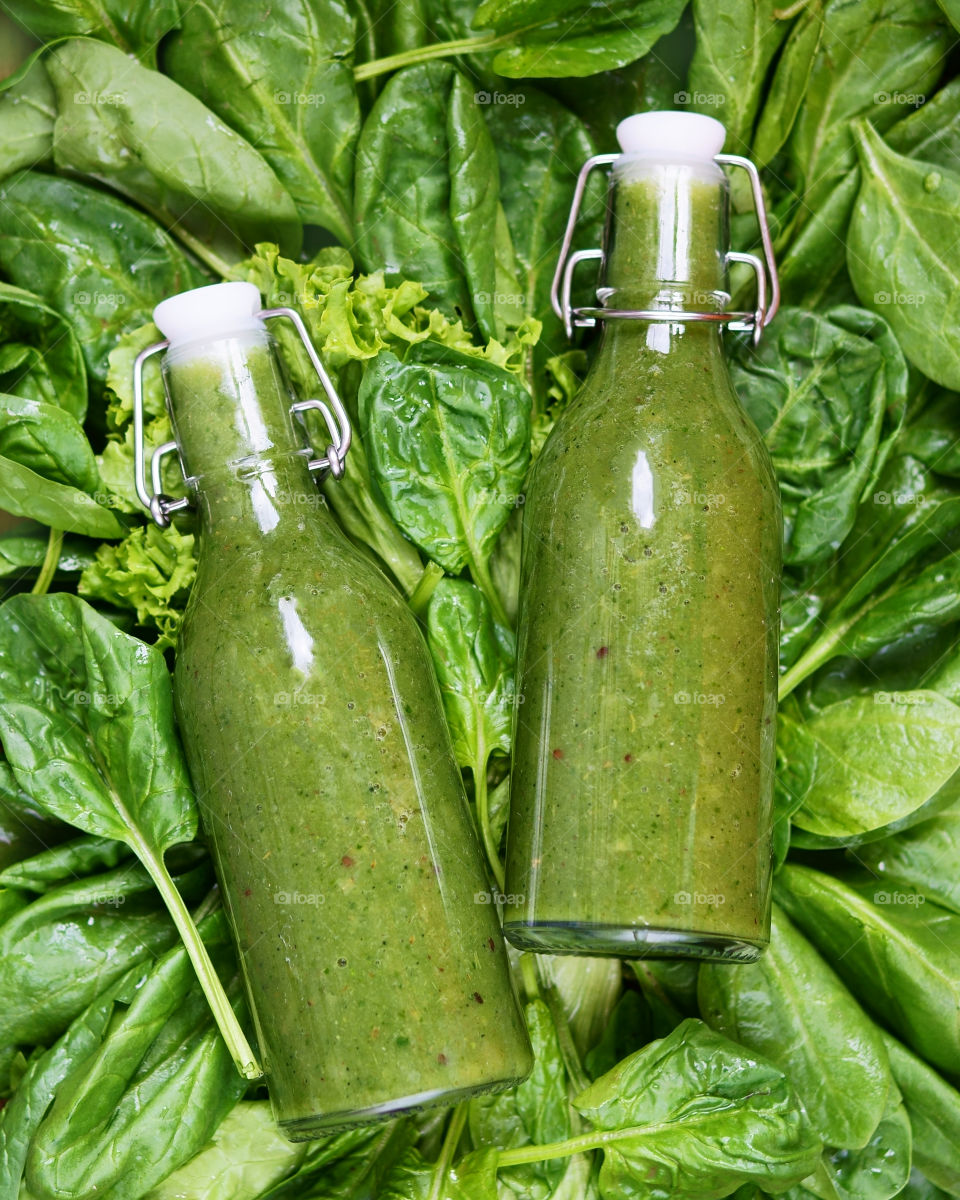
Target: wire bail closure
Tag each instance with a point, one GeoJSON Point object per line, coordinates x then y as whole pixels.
{"type": "Point", "coordinates": [159, 504]}
{"type": "Point", "coordinates": [765, 270]}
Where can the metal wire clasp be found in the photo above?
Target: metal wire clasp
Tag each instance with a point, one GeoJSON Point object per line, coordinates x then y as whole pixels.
{"type": "Point", "coordinates": [765, 271]}
{"type": "Point", "coordinates": [160, 505]}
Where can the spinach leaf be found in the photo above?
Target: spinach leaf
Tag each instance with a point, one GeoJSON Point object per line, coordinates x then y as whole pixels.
{"type": "Point", "coordinates": [829, 393]}
{"type": "Point", "coordinates": [540, 148]}
{"type": "Point", "coordinates": [22, 551]}
{"type": "Point", "coordinates": [933, 1107]}
{"type": "Point", "coordinates": [79, 856]}
{"type": "Point", "coordinates": [814, 267]}
{"type": "Point", "coordinates": [735, 45]}
{"type": "Point", "coordinates": [788, 87]}
{"type": "Point", "coordinates": [40, 357]}
{"type": "Point", "coordinates": [291, 94]}
{"type": "Point", "coordinates": [246, 1156]}
{"type": "Point", "coordinates": [474, 658]}
{"type": "Point", "coordinates": [573, 37]}
{"type": "Point", "coordinates": [901, 254]}
{"type": "Point", "coordinates": [163, 1054]}
{"type": "Point", "coordinates": [28, 108]}
{"type": "Point", "coordinates": [143, 135]}
{"type": "Point", "coordinates": [868, 761]}
{"type": "Point", "coordinates": [73, 942]}
{"type": "Point", "coordinates": [427, 187]}
{"type": "Point", "coordinates": [135, 28]}
{"type": "Point", "coordinates": [47, 440]}
{"type": "Point", "coordinates": [26, 494]}
{"type": "Point", "coordinates": [880, 1170]}
{"type": "Point", "coordinates": [694, 1115]}
{"type": "Point", "coordinates": [449, 443]}
{"type": "Point", "coordinates": [872, 53]}
{"type": "Point", "coordinates": [87, 726]}
{"type": "Point", "coordinates": [933, 436]}
{"type": "Point", "coordinates": [535, 1112]}
{"type": "Point", "coordinates": [898, 956]}
{"type": "Point", "coordinates": [931, 132]}
{"type": "Point", "coordinates": [791, 1008]}
{"type": "Point", "coordinates": [628, 1029]}
{"type": "Point", "coordinates": [77, 246]}
{"type": "Point", "coordinates": [926, 857]}
{"type": "Point", "coordinates": [23, 1114]}
{"type": "Point", "coordinates": [585, 991]}
{"type": "Point", "coordinates": [920, 1188]}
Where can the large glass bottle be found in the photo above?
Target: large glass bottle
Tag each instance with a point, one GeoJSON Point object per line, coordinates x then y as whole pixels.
{"type": "Point", "coordinates": [642, 779]}
{"type": "Point", "coordinates": [328, 788]}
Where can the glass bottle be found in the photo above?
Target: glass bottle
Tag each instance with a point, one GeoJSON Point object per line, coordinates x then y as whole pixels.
{"type": "Point", "coordinates": [641, 792]}
{"type": "Point", "coordinates": [312, 723]}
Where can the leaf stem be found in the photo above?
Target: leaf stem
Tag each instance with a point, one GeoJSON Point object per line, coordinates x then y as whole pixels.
{"type": "Point", "coordinates": [50, 561]}
{"type": "Point", "coordinates": [220, 1006]}
{"type": "Point", "coordinates": [482, 796]}
{"type": "Point", "coordinates": [594, 1140]}
{"type": "Point", "coordinates": [420, 596]}
{"type": "Point", "coordinates": [408, 58]}
{"type": "Point", "coordinates": [458, 1119]}
{"type": "Point", "coordinates": [484, 581]}
{"type": "Point", "coordinates": [568, 1051]}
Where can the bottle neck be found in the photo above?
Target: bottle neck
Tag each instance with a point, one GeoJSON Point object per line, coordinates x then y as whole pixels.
{"type": "Point", "coordinates": [230, 408]}
{"type": "Point", "coordinates": [666, 238]}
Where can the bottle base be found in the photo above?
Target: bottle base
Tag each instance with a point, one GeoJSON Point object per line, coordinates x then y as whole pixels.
{"type": "Point", "coordinates": [306, 1129]}
{"type": "Point", "coordinates": [629, 941]}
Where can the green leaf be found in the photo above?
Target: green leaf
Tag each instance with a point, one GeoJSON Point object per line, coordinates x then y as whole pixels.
{"type": "Point", "coordinates": [150, 571]}
{"type": "Point", "coordinates": [449, 442]}
{"type": "Point", "coordinates": [932, 132]}
{"type": "Point", "coordinates": [143, 135]}
{"type": "Point", "coordinates": [788, 87]}
{"type": "Point", "coordinates": [573, 37]}
{"type": "Point", "coordinates": [872, 54]}
{"type": "Point", "coordinates": [22, 551]}
{"type": "Point", "coordinates": [70, 860]}
{"type": "Point", "coordinates": [694, 1115]}
{"type": "Point", "coordinates": [40, 358]}
{"type": "Point", "coordinates": [28, 109]}
{"type": "Point", "coordinates": [429, 215]}
{"type": "Point", "coordinates": [163, 1055]}
{"type": "Point", "coordinates": [790, 1007]}
{"type": "Point", "coordinates": [868, 761]}
{"type": "Point", "coordinates": [86, 721]}
{"type": "Point", "coordinates": [898, 957]}
{"type": "Point", "coordinates": [881, 1169]}
{"type": "Point", "coordinates": [926, 857]}
{"type": "Point", "coordinates": [474, 659]}
{"type": "Point", "coordinates": [629, 1028]}
{"type": "Point", "coordinates": [26, 494]}
{"type": "Point", "coordinates": [901, 254]}
{"type": "Point", "coordinates": [48, 441]}
{"type": "Point", "coordinates": [535, 1112]}
{"type": "Point", "coordinates": [829, 395]}
{"type": "Point", "coordinates": [735, 45]}
{"type": "Point", "coordinates": [291, 94]}
{"type": "Point", "coordinates": [933, 1107]}
{"type": "Point", "coordinates": [76, 246]}
{"type": "Point", "coordinates": [136, 28]}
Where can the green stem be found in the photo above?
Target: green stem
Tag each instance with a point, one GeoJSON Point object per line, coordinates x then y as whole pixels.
{"type": "Point", "coordinates": [821, 651]}
{"type": "Point", "coordinates": [408, 58]}
{"type": "Point", "coordinates": [482, 797]}
{"type": "Point", "coordinates": [594, 1140]}
{"type": "Point", "coordinates": [458, 1119]}
{"type": "Point", "coordinates": [50, 560]}
{"type": "Point", "coordinates": [220, 1006]}
{"type": "Point", "coordinates": [420, 596]}
{"type": "Point", "coordinates": [528, 973]}
{"type": "Point", "coordinates": [568, 1051]}
{"type": "Point", "coordinates": [484, 581]}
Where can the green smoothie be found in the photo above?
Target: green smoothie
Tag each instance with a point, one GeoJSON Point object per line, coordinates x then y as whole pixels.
{"type": "Point", "coordinates": [313, 728]}
{"type": "Point", "coordinates": [644, 746]}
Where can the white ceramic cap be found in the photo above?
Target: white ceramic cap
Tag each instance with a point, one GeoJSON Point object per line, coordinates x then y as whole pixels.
{"type": "Point", "coordinates": [209, 312]}
{"type": "Point", "coordinates": [671, 135]}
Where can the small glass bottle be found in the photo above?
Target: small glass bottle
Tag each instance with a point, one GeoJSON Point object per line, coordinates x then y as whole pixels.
{"type": "Point", "coordinates": [641, 793]}
{"type": "Point", "coordinates": [312, 722]}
